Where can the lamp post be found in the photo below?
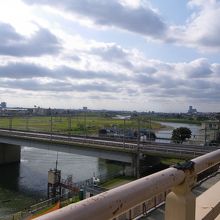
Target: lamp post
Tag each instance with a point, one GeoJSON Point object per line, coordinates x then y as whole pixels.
{"type": "Point", "coordinates": [85, 117]}
{"type": "Point", "coordinates": [124, 118]}
{"type": "Point", "coordinates": [10, 122]}
{"type": "Point", "coordinates": [51, 123]}
{"type": "Point", "coordinates": [138, 151]}
{"type": "Point", "coordinates": [27, 123]}
{"type": "Point", "coordinates": [124, 133]}
{"type": "Point", "coordinates": [69, 124]}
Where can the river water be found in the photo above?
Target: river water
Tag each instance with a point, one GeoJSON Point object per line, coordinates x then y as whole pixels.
{"type": "Point", "coordinates": [25, 184]}
{"type": "Point", "coordinates": [167, 133]}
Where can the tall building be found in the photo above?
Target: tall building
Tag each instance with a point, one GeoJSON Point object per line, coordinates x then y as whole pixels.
{"type": "Point", "coordinates": [3, 105]}
{"type": "Point", "coordinates": [192, 110]}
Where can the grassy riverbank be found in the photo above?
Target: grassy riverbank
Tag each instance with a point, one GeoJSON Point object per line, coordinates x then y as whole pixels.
{"type": "Point", "coordinates": [118, 181]}
{"type": "Point", "coordinates": [78, 125]}
{"type": "Point", "coordinates": [175, 120]}
{"type": "Point", "coordinates": [11, 202]}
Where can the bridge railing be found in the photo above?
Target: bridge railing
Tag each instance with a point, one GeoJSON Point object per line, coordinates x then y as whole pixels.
{"type": "Point", "coordinates": [180, 202]}
{"type": "Point", "coordinates": [181, 150]}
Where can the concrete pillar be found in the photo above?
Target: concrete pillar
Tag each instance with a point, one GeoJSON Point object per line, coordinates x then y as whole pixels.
{"type": "Point", "coordinates": [9, 153]}
{"type": "Point", "coordinates": [134, 168]}
{"type": "Point", "coordinates": [181, 202]}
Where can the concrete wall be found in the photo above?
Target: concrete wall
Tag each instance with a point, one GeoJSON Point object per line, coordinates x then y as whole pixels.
{"type": "Point", "coordinates": [9, 153]}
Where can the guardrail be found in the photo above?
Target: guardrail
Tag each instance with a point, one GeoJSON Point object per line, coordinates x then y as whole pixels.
{"type": "Point", "coordinates": [175, 149]}
{"type": "Point", "coordinates": [180, 203]}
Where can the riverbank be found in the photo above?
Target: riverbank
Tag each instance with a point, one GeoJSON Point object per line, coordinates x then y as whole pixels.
{"type": "Point", "coordinates": [75, 125]}
{"type": "Point", "coordinates": [175, 120]}
{"type": "Point", "coordinates": [11, 201]}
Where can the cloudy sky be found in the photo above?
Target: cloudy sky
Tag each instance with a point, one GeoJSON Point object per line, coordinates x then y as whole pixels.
{"type": "Point", "coordinates": [120, 54]}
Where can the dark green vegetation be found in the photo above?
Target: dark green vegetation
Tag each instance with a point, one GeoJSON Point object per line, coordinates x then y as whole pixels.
{"type": "Point", "coordinates": [171, 161]}
{"type": "Point", "coordinates": [74, 125]}
{"type": "Point", "coordinates": [179, 135]}
{"type": "Point", "coordinates": [188, 120]}
{"type": "Point", "coordinates": [11, 201]}
{"type": "Point", "coordinates": [118, 181]}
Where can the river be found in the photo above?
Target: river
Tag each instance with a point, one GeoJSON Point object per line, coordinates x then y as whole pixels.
{"type": "Point", "coordinates": [167, 133]}
{"type": "Point", "coordinates": [24, 184]}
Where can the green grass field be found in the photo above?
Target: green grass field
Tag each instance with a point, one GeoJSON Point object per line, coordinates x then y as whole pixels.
{"type": "Point", "coordinates": [77, 125]}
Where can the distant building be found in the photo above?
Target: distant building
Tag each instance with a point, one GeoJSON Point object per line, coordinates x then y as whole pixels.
{"type": "Point", "coordinates": [192, 110]}
{"type": "Point", "coordinates": [40, 111]}
{"type": "Point", "coordinates": [210, 131]}
{"type": "Point", "coordinates": [3, 105]}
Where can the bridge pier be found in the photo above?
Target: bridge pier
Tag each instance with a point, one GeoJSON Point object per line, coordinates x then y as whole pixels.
{"type": "Point", "coordinates": [9, 153]}
{"type": "Point", "coordinates": [133, 169]}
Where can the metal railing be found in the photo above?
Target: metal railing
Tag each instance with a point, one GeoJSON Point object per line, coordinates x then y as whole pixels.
{"type": "Point", "coordinates": [157, 148]}
{"type": "Point", "coordinates": [123, 199]}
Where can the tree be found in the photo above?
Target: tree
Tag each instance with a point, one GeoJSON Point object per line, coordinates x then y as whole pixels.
{"type": "Point", "coordinates": [179, 135]}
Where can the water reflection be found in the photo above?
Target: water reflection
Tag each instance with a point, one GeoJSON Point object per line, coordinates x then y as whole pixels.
{"type": "Point", "coordinates": [29, 178]}
{"type": "Point", "coordinates": [9, 176]}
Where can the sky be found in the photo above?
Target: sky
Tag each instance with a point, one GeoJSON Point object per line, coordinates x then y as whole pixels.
{"type": "Point", "coordinates": [143, 55]}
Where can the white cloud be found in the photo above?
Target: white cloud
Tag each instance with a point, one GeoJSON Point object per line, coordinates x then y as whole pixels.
{"type": "Point", "coordinates": [140, 19]}
{"type": "Point", "coordinates": [202, 30]}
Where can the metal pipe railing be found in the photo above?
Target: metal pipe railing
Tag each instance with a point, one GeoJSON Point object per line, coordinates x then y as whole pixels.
{"type": "Point", "coordinates": [115, 202]}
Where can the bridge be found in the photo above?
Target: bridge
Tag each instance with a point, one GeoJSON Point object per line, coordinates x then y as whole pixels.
{"type": "Point", "coordinates": [127, 151]}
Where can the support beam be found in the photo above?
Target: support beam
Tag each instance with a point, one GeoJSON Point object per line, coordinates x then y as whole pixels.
{"type": "Point", "coordinates": [9, 153]}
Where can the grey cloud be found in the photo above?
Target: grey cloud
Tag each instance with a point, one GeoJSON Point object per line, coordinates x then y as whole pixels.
{"type": "Point", "coordinates": [145, 69]}
{"type": "Point", "coordinates": [23, 70]}
{"type": "Point", "coordinates": [58, 86]}
{"type": "Point", "coordinates": [139, 20]}
{"type": "Point", "coordinates": [198, 69]}
{"type": "Point", "coordinates": [188, 89]}
{"type": "Point", "coordinates": [170, 83]}
{"type": "Point", "coordinates": [30, 70]}
{"type": "Point", "coordinates": [111, 52]}
{"type": "Point", "coordinates": [116, 54]}
{"type": "Point", "coordinates": [40, 43]}
{"type": "Point", "coordinates": [145, 79]}
{"type": "Point", "coordinates": [7, 33]}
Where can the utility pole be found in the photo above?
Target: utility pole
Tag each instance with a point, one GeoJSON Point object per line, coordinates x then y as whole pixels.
{"type": "Point", "coordinates": [51, 123]}
{"type": "Point", "coordinates": [27, 123]}
{"type": "Point", "coordinates": [124, 134]}
{"type": "Point", "coordinates": [69, 124]}
{"type": "Point", "coordinates": [85, 116]}
{"type": "Point", "coordinates": [138, 151]}
{"type": "Point", "coordinates": [10, 123]}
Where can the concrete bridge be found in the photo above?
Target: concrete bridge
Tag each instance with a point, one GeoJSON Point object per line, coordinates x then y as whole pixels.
{"type": "Point", "coordinates": [128, 152]}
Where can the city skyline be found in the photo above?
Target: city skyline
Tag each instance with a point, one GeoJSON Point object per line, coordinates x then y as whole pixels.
{"type": "Point", "coordinates": [120, 54]}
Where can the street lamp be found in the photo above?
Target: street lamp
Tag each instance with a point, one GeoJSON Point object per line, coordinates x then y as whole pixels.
{"type": "Point", "coordinates": [51, 123]}
{"type": "Point", "coordinates": [123, 118]}
{"type": "Point", "coordinates": [85, 115]}
{"type": "Point", "coordinates": [69, 123]}
{"type": "Point", "coordinates": [138, 150]}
